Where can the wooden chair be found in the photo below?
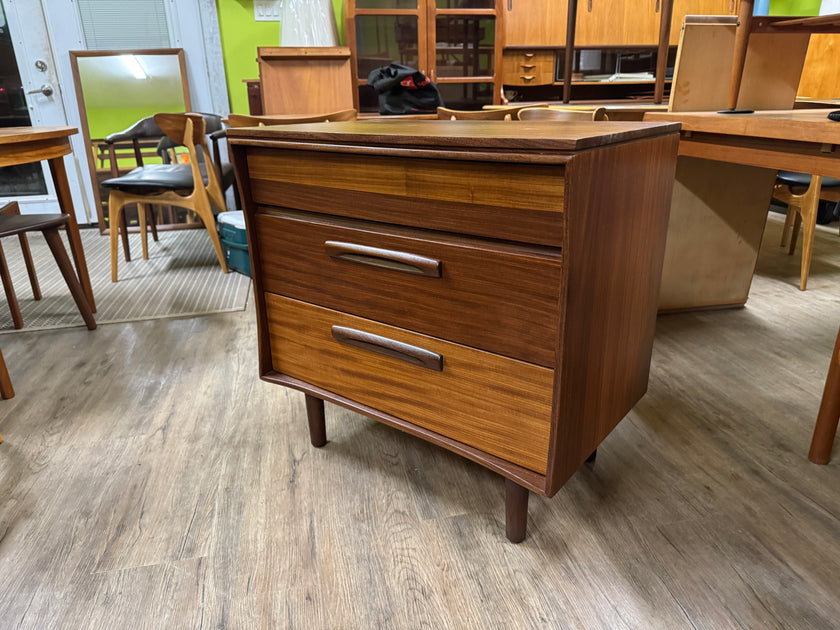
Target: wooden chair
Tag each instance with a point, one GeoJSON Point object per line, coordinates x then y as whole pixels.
{"type": "Point", "coordinates": [145, 139]}
{"type": "Point", "coordinates": [180, 185]}
{"type": "Point", "coordinates": [242, 120]}
{"type": "Point", "coordinates": [12, 223]}
{"type": "Point", "coordinates": [496, 113]}
{"type": "Point", "coordinates": [571, 113]}
{"type": "Point", "coordinates": [802, 193]}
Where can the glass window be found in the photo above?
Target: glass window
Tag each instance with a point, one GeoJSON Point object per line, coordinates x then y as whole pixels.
{"type": "Point", "coordinates": [464, 46]}
{"type": "Point", "coordinates": [466, 95]}
{"type": "Point", "coordinates": [384, 39]}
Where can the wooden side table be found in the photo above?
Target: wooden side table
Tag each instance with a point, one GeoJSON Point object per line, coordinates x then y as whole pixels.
{"type": "Point", "coordinates": [22, 145]}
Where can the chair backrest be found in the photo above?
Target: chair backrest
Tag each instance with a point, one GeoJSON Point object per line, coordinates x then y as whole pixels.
{"type": "Point", "coordinates": [571, 113]}
{"type": "Point", "coordinates": [242, 120]}
{"type": "Point", "coordinates": [496, 113]}
{"type": "Point", "coordinates": [189, 130]}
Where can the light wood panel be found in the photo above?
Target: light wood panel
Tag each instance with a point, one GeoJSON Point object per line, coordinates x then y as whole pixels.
{"type": "Point", "coordinates": [617, 22]}
{"type": "Point", "coordinates": [820, 78]}
{"type": "Point", "coordinates": [512, 424]}
{"type": "Point", "coordinates": [300, 81]}
{"type": "Point", "coordinates": [698, 7]}
{"type": "Point", "coordinates": [535, 22]}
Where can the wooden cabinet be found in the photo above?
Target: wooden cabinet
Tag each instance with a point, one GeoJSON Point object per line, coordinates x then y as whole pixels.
{"type": "Point", "coordinates": [488, 287]}
{"type": "Point", "coordinates": [456, 43]}
{"type": "Point", "coordinates": [617, 22]}
{"type": "Point", "coordinates": [636, 22]}
{"type": "Point", "coordinates": [535, 22]}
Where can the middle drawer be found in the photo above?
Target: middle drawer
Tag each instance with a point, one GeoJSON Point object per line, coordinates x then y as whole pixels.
{"type": "Point", "coordinates": [497, 297]}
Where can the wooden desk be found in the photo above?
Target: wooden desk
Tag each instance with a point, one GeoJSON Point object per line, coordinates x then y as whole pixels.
{"type": "Point", "coordinates": [487, 286]}
{"type": "Point", "coordinates": [21, 145]}
{"type": "Point", "coordinates": [711, 255]}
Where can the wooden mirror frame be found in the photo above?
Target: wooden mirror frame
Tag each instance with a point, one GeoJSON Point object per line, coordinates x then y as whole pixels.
{"type": "Point", "coordinates": [80, 100]}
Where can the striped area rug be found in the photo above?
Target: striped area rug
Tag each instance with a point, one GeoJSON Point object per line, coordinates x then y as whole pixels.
{"type": "Point", "coordinates": [182, 278]}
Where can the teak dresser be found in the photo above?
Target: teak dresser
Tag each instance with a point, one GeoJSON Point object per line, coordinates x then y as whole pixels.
{"type": "Point", "coordinates": [490, 287]}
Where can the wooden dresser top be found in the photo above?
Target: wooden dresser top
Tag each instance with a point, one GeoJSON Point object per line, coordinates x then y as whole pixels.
{"type": "Point", "coordinates": [516, 136]}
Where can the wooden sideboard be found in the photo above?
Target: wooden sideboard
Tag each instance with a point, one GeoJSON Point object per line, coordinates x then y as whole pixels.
{"type": "Point", "coordinates": [490, 287]}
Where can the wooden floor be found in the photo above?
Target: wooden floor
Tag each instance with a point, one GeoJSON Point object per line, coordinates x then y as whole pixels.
{"type": "Point", "coordinates": [149, 480]}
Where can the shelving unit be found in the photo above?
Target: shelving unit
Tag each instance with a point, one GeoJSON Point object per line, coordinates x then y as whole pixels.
{"type": "Point", "coordinates": [453, 42]}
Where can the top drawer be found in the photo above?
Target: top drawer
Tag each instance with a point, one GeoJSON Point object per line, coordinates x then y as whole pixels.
{"type": "Point", "coordinates": [509, 201]}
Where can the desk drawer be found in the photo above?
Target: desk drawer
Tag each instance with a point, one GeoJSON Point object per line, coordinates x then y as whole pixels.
{"type": "Point", "coordinates": [510, 201]}
{"type": "Point", "coordinates": [500, 298]}
{"type": "Point", "coordinates": [528, 67]}
{"type": "Point", "coordinates": [499, 405]}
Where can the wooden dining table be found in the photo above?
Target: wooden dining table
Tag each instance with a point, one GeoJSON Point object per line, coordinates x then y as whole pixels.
{"type": "Point", "coordinates": [23, 145]}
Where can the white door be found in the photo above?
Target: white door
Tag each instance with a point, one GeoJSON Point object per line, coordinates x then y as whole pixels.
{"type": "Point", "coordinates": [30, 95]}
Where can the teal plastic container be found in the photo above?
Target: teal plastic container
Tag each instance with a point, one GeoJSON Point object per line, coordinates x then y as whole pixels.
{"type": "Point", "coordinates": [234, 240]}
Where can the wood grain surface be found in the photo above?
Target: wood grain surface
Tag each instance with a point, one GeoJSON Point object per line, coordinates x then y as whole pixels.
{"type": "Point", "coordinates": [174, 489]}
{"type": "Point", "coordinates": [513, 423]}
{"type": "Point", "coordinates": [497, 297]}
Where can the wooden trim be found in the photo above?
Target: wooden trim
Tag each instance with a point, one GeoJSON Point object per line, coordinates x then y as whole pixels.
{"type": "Point", "coordinates": [80, 100]}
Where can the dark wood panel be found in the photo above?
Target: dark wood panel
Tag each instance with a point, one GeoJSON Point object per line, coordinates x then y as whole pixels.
{"type": "Point", "coordinates": [512, 424]}
{"type": "Point", "coordinates": [498, 298]}
{"type": "Point", "coordinates": [613, 266]}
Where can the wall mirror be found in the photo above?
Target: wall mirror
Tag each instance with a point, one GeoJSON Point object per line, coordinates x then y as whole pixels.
{"type": "Point", "coordinates": [115, 89]}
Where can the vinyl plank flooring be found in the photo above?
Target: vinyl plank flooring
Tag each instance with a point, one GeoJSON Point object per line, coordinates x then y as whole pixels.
{"type": "Point", "coordinates": [149, 479]}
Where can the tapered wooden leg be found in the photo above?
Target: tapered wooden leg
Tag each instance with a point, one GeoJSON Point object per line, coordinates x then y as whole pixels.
{"type": "Point", "coordinates": [8, 287]}
{"type": "Point", "coordinates": [30, 266]}
{"type": "Point", "coordinates": [152, 220]}
{"type": "Point", "coordinates": [66, 267]}
{"type": "Point", "coordinates": [65, 202]}
{"type": "Point", "coordinates": [315, 417]}
{"type": "Point", "coordinates": [6, 389]}
{"type": "Point", "coordinates": [144, 240]}
{"type": "Point", "coordinates": [123, 223]}
{"type": "Point", "coordinates": [592, 457]}
{"type": "Point", "coordinates": [829, 413]}
{"type": "Point", "coordinates": [516, 511]}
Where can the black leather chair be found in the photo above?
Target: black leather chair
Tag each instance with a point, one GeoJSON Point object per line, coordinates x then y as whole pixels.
{"type": "Point", "coordinates": [175, 176]}
{"type": "Point", "coordinates": [194, 186]}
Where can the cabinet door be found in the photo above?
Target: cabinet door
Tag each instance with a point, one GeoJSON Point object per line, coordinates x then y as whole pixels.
{"type": "Point", "coordinates": [698, 7]}
{"type": "Point", "coordinates": [535, 22]}
{"type": "Point", "coordinates": [617, 22]}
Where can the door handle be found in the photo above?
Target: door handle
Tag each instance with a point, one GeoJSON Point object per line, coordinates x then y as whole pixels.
{"type": "Point", "coordinates": [656, 7]}
{"type": "Point", "coordinates": [46, 89]}
{"type": "Point", "coordinates": [589, 6]}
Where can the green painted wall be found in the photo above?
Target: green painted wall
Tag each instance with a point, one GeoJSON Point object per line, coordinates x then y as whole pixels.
{"type": "Point", "coordinates": [241, 34]}
{"type": "Point", "coordinates": [795, 7]}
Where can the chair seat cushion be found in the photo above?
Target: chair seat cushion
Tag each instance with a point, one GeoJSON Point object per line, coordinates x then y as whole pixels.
{"type": "Point", "coordinates": [804, 179]}
{"type": "Point", "coordinates": [20, 223]}
{"type": "Point", "coordinates": [161, 177]}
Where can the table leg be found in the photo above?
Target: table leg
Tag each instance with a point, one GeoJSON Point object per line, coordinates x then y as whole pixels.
{"type": "Point", "coordinates": [516, 511]}
{"type": "Point", "coordinates": [829, 413]}
{"type": "Point", "coordinates": [65, 202]}
{"type": "Point", "coordinates": [6, 389]}
{"type": "Point", "coordinates": [315, 417]}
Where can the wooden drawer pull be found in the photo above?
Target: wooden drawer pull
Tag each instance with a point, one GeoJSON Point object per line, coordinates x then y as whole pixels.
{"type": "Point", "coordinates": [385, 258]}
{"type": "Point", "coordinates": [528, 55]}
{"type": "Point", "coordinates": [528, 66]}
{"type": "Point", "coordinates": [388, 347]}
{"type": "Point", "coordinates": [527, 77]}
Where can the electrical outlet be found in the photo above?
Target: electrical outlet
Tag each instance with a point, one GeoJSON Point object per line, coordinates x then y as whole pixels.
{"type": "Point", "coordinates": [267, 10]}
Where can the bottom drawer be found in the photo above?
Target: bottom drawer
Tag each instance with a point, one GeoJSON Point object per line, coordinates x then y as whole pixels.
{"type": "Point", "coordinates": [499, 405]}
